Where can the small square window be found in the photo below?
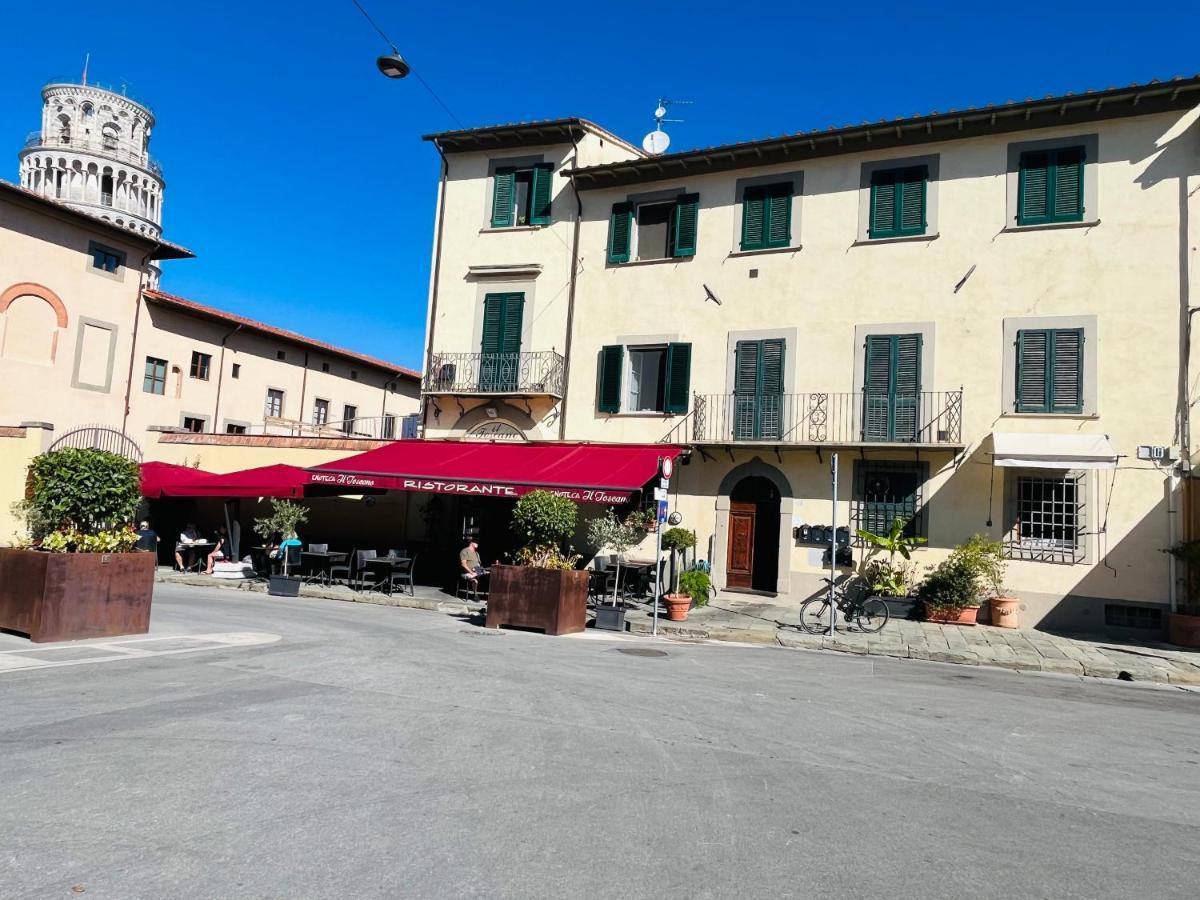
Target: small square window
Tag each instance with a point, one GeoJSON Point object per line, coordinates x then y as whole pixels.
{"type": "Point", "coordinates": [237, 371]}
{"type": "Point", "coordinates": [1046, 518]}
{"type": "Point", "coordinates": [200, 365]}
{"type": "Point", "coordinates": [885, 491]}
{"type": "Point", "coordinates": [155, 380]}
{"type": "Point", "coordinates": [193, 424]}
{"type": "Point", "coordinates": [354, 375]}
{"type": "Point", "coordinates": [231, 428]}
{"type": "Point", "coordinates": [324, 367]}
{"type": "Point", "coordinates": [105, 258]}
{"type": "Point", "coordinates": [274, 408]}
{"type": "Point", "coordinates": [279, 354]}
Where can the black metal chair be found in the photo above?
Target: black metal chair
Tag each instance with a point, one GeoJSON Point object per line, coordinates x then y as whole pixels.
{"type": "Point", "coordinates": [318, 548]}
{"type": "Point", "coordinates": [344, 573]}
{"type": "Point", "coordinates": [292, 554]}
{"type": "Point", "coordinates": [402, 573]}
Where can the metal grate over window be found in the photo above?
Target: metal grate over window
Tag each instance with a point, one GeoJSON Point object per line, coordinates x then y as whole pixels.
{"type": "Point", "coordinates": [1047, 516]}
{"type": "Point", "coordinates": [884, 490]}
{"type": "Point", "coordinates": [1122, 616]}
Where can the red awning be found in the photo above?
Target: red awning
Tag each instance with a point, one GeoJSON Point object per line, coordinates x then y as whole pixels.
{"type": "Point", "coordinates": [600, 473]}
{"type": "Point", "coordinates": [278, 480]}
{"type": "Point", "coordinates": [160, 479]}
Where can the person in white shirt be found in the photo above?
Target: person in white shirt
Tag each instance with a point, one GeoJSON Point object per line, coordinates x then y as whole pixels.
{"type": "Point", "coordinates": [190, 535]}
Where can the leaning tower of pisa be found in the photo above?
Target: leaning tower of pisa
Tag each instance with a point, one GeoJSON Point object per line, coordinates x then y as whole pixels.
{"type": "Point", "coordinates": [93, 153]}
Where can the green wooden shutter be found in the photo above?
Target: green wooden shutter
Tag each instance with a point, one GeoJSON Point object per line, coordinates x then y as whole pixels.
{"type": "Point", "coordinates": [539, 201]}
{"type": "Point", "coordinates": [770, 390]}
{"type": "Point", "coordinates": [883, 204]}
{"type": "Point", "coordinates": [877, 386]}
{"type": "Point", "coordinates": [1068, 184]}
{"type": "Point", "coordinates": [503, 197]}
{"type": "Point", "coordinates": [912, 192]}
{"type": "Point", "coordinates": [687, 211]}
{"type": "Point", "coordinates": [1033, 190]}
{"type": "Point", "coordinates": [620, 227]}
{"type": "Point", "coordinates": [779, 215]}
{"type": "Point", "coordinates": [493, 323]}
{"type": "Point", "coordinates": [1066, 370]}
{"type": "Point", "coordinates": [679, 378]}
{"type": "Point", "coordinates": [745, 389]}
{"type": "Point", "coordinates": [754, 203]}
{"type": "Point", "coordinates": [608, 382]}
{"type": "Point", "coordinates": [1033, 355]}
{"type": "Point", "coordinates": [906, 388]}
{"type": "Point", "coordinates": [514, 308]}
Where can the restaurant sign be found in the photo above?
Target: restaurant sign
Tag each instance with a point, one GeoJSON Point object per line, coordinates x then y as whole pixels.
{"type": "Point", "coordinates": [464, 488]}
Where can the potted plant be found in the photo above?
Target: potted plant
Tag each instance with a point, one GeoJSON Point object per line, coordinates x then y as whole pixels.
{"type": "Point", "coordinates": [1183, 623]}
{"type": "Point", "coordinates": [543, 589]}
{"type": "Point", "coordinates": [955, 588]}
{"type": "Point", "coordinates": [284, 519]}
{"type": "Point", "coordinates": [694, 585]}
{"type": "Point", "coordinates": [76, 574]}
{"type": "Point", "coordinates": [677, 540]}
{"type": "Point", "coordinates": [888, 579]}
{"type": "Point", "coordinates": [607, 532]}
{"type": "Point", "coordinates": [986, 558]}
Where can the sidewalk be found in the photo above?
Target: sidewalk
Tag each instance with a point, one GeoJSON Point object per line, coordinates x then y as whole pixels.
{"type": "Point", "coordinates": [1027, 650]}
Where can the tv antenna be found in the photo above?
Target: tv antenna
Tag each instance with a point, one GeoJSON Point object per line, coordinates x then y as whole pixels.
{"type": "Point", "coordinates": [658, 141]}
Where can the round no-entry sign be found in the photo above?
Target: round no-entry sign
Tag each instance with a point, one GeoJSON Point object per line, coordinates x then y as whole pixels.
{"type": "Point", "coordinates": [666, 467]}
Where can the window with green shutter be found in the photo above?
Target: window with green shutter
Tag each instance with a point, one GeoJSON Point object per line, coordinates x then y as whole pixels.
{"type": "Point", "coordinates": [661, 229]}
{"type": "Point", "coordinates": [898, 202]}
{"type": "Point", "coordinates": [620, 232]}
{"type": "Point", "coordinates": [522, 195]}
{"type": "Point", "coordinates": [767, 216]}
{"type": "Point", "coordinates": [1050, 186]}
{"type": "Point", "coordinates": [500, 350]}
{"type": "Point", "coordinates": [679, 378]}
{"type": "Point", "coordinates": [758, 381]}
{"type": "Point", "coordinates": [608, 378]}
{"type": "Point", "coordinates": [1050, 371]}
{"type": "Point", "coordinates": [892, 388]}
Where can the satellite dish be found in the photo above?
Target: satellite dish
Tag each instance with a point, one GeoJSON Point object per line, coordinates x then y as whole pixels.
{"type": "Point", "coordinates": [660, 112]}
{"type": "Point", "coordinates": [656, 142]}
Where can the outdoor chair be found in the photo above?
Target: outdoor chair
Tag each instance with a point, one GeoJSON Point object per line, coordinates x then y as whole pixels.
{"type": "Point", "coordinates": [402, 574]}
{"type": "Point", "coordinates": [318, 548]}
{"type": "Point", "coordinates": [292, 555]}
{"type": "Point", "coordinates": [360, 570]}
{"type": "Point", "coordinates": [468, 588]}
{"type": "Point", "coordinates": [344, 572]}
{"type": "Point", "coordinates": [398, 553]}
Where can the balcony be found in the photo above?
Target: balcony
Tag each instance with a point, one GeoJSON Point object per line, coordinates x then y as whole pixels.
{"type": "Point", "coordinates": [92, 144]}
{"type": "Point", "coordinates": [495, 374]}
{"type": "Point", "coordinates": [824, 419]}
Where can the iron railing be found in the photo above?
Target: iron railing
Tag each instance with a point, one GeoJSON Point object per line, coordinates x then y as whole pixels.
{"type": "Point", "coordinates": [99, 437]}
{"type": "Point", "coordinates": [377, 428]}
{"type": "Point", "coordinates": [538, 373]}
{"type": "Point", "coordinates": [823, 417]}
{"type": "Point", "coordinates": [89, 144]}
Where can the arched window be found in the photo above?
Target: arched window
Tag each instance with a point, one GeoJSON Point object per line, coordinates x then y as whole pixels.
{"type": "Point", "coordinates": [88, 110]}
{"type": "Point", "coordinates": [64, 128]}
{"type": "Point", "coordinates": [106, 188]}
{"type": "Point", "coordinates": [30, 317]}
{"type": "Point", "coordinates": [109, 136]}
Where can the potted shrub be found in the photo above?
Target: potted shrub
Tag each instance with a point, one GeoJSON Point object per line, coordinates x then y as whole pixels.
{"type": "Point", "coordinates": [1183, 623]}
{"type": "Point", "coordinates": [986, 558]}
{"type": "Point", "coordinates": [955, 588]}
{"type": "Point", "coordinates": [694, 585]}
{"type": "Point", "coordinates": [677, 540]}
{"type": "Point", "coordinates": [284, 519]}
{"type": "Point", "coordinates": [891, 580]}
{"type": "Point", "coordinates": [543, 589]}
{"type": "Point", "coordinates": [76, 574]}
{"type": "Point", "coordinates": [607, 532]}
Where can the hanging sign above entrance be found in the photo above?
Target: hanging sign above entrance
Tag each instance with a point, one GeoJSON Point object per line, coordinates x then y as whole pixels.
{"type": "Point", "coordinates": [496, 431]}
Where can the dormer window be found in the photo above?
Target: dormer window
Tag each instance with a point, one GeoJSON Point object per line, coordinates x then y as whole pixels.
{"type": "Point", "coordinates": [521, 196]}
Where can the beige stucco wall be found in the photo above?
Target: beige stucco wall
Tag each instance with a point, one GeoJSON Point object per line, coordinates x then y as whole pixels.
{"type": "Point", "coordinates": [18, 447]}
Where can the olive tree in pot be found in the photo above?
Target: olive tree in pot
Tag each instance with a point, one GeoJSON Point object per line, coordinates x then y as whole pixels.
{"type": "Point", "coordinates": [543, 589]}
{"type": "Point", "coordinates": [607, 532]}
{"type": "Point", "coordinates": [694, 585]}
{"type": "Point", "coordinates": [677, 541]}
{"type": "Point", "coordinates": [76, 575]}
{"type": "Point", "coordinates": [284, 519]}
{"type": "Point", "coordinates": [891, 580]}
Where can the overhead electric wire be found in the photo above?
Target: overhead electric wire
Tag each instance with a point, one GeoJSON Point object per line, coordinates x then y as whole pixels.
{"type": "Point", "coordinates": [396, 50]}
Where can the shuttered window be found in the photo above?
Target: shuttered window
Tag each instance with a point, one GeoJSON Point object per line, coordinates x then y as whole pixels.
{"type": "Point", "coordinates": [898, 202]}
{"type": "Point", "coordinates": [608, 379]}
{"type": "Point", "coordinates": [522, 196]}
{"type": "Point", "coordinates": [500, 348]}
{"type": "Point", "coordinates": [892, 388]}
{"type": "Point", "coordinates": [679, 378]}
{"type": "Point", "coordinates": [1051, 186]}
{"type": "Point", "coordinates": [767, 216]}
{"type": "Point", "coordinates": [658, 230]}
{"type": "Point", "coordinates": [1050, 371]}
{"type": "Point", "coordinates": [758, 389]}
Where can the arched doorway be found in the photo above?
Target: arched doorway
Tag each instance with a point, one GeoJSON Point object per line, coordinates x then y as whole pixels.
{"type": "Point", "coordinates": [752, 551]}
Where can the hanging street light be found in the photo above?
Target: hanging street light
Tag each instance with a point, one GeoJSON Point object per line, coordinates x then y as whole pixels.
{"type": "Point", "coordinates": [393, 65]}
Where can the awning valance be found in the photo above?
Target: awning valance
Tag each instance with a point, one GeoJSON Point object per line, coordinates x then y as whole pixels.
{"type": "Point", "coordinates": [161, 479]}
{"type": "Point", "coordinates": [167, 480]}
{"type": "Point", "coordinates": [600, 473]}
{"type": "Point", "coordinates": [1053, 451]}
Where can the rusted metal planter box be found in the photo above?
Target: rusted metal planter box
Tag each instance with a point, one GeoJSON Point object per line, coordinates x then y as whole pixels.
{"type": "Point", "coordinates": [554, 601]}
{"type": "Point", "coordinates": [68, 596]}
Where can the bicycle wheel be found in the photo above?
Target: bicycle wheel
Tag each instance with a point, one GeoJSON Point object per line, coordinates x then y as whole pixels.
{"type": "Point", "coordinates": [814, 615]}
{"type": "Point", "coordinates": [872, 615]}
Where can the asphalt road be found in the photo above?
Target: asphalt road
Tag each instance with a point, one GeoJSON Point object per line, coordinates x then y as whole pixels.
{"type": "Point", "coordinates": [381, 752]}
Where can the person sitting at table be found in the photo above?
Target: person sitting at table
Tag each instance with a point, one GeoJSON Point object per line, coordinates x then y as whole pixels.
{"type": "Point", "coordinates": [468, 558]}
{"type": "Point", "coordinates": [279, 544]}
{"type": "Point", "coordinates": [147, 538]}
{"type": "Point", "coordinates": [190, 535]}
{"type": "Point", "coordinates": [219, 551]}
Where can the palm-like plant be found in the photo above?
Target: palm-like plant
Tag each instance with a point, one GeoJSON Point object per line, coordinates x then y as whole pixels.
{"type": "Point", "coordinates": [889, 578]}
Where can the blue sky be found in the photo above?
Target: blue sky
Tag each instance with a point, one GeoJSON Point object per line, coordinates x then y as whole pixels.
{"type": "Point", "coordinates": [297, 173]}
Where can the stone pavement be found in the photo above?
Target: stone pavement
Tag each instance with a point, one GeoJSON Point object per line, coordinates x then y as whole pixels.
{"type": "Point", "coordinates": [754, 620]}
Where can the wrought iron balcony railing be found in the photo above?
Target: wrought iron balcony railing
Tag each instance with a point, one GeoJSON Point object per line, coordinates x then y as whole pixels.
{"type": "Point", "coordinates": [513, 374]}
{"type": "Point", "coordinates": [89, 143]}
{"type": "Point", "coordinates": [821, 417]}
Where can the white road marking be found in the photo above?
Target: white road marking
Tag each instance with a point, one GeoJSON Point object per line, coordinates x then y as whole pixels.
{"type": "Point", "coordinates": [48, 656]}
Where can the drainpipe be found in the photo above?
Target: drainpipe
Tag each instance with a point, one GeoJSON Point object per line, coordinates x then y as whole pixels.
{"type": "Point", "coordinates": [137, 315]}
{"type": "Point", "coordinates": [562, 408]}
{"type": "Point", "coordinates": [303, 391]}
{"type": "Point", "coordinates": [221, 376]}
{"type": "Point", "coordinates": [437, 272]}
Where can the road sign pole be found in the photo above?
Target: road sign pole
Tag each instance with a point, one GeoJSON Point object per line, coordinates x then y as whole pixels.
{"type": "Point", "coordinates": [657, 570]}
{"type": "Point", "coordinates": [833, 470]}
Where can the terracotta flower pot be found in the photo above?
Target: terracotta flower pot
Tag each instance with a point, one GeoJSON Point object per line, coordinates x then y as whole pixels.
{"type": "Point", "coordinates": [1183, 630]}
{"type": "Point", "coordinates": [1005, 612]}
{"type": "Point", "coordinates": [945, 615]}
{"type": "Point", "coordinates": [678, 606]}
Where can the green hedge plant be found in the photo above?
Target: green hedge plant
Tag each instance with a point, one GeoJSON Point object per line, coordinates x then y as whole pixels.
{"type": "Point", "coordinates": [82, 501]}
{"type": "Point", "coordinates": [544, 520]}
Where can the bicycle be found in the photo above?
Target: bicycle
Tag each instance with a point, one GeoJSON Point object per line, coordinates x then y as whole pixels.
{"type": "Point", "coordinates": [870, 614]}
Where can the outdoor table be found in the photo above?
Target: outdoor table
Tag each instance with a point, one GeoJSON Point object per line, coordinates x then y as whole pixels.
{"type": "Point", "coordinates": [386, 565]}
{"type": "Point", "coordinates": [201, 549]}
{"type": "Point", "coordinates": [324, 559]}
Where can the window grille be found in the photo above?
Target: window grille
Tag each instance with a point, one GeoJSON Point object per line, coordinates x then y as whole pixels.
{"type": "Point", "coordinates": [1048, 518]}
{"type": "Point", "coordinates": [884, 490]}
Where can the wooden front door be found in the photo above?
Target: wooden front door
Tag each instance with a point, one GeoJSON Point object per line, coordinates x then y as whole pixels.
{"type": "Point", "coordinates": [739, 567]}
